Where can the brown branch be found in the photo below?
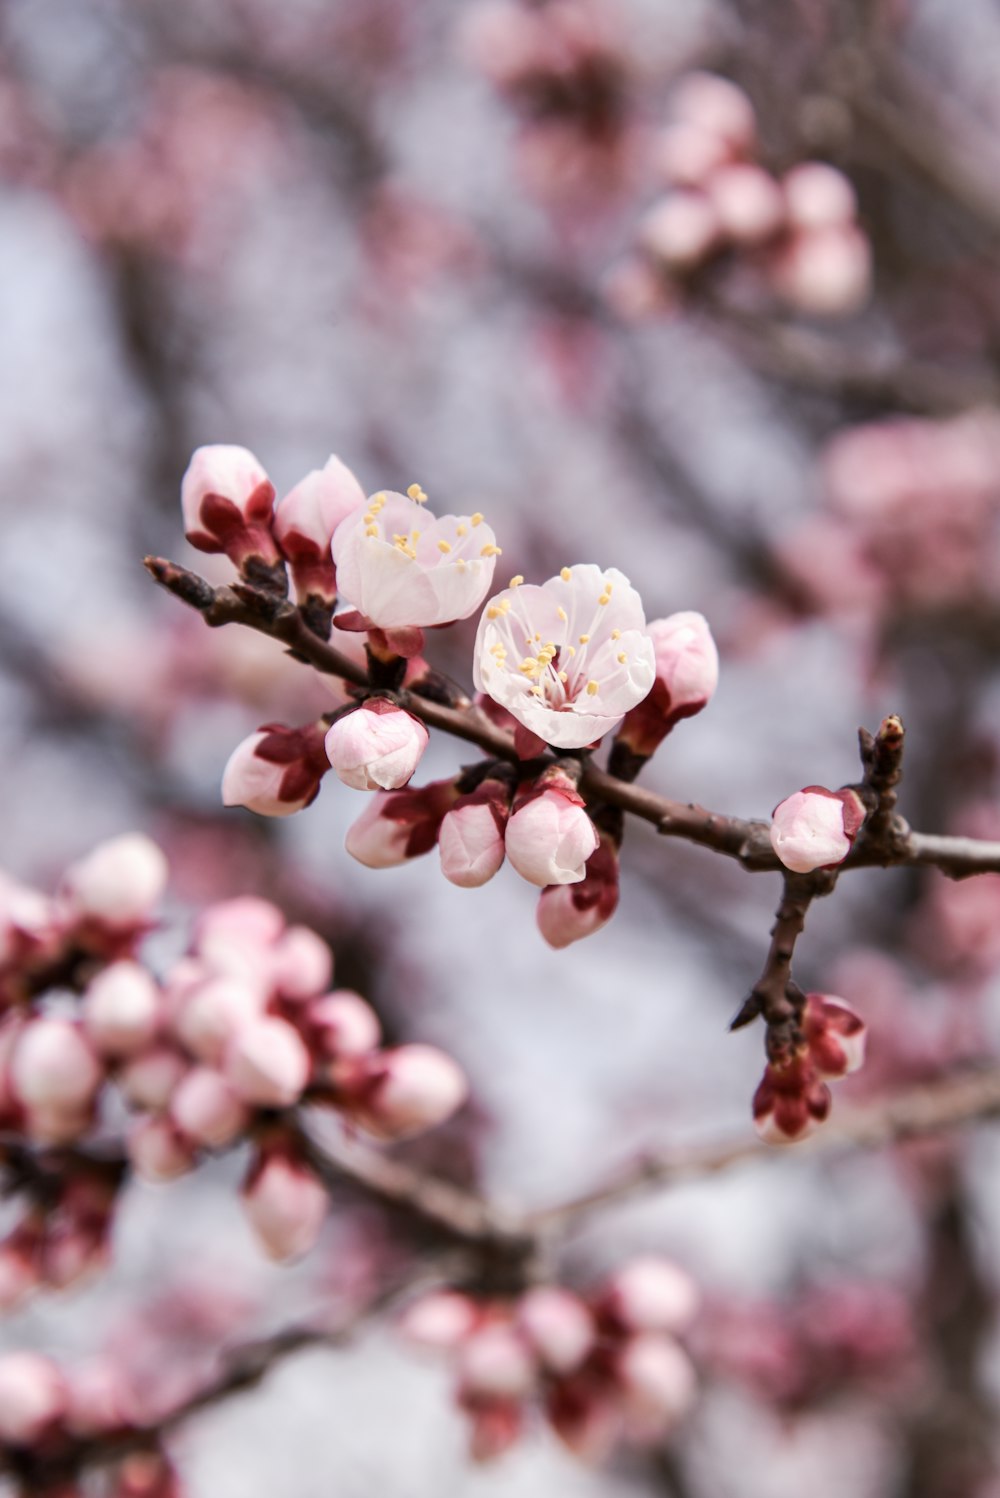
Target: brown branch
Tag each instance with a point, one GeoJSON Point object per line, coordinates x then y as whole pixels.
{"type": "Point", "coordinates": [911, 1114]}
{"type": "Point", "coordinates": [747, 841]}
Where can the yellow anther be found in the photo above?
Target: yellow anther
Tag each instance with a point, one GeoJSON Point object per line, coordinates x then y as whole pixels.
{"type": "Point", "coordinates": [444, 546]}
{"type": "Point", "coordinates": [584, 639]}
{"type": "Point", "coordinates": [604, 598]}
{"type": "Point", "coordinates": [564, 676]}
{"type": "Point", "coordinates": [592, 688]}
{"type": "Point", "coordinates": [377, 502]}
{"type": "Point", "coordinates": [571, 650]}
{"type": "Point", "coordinates": [489, 550]}
{"type": "Point", "coordinates": [537, 636]}
{"type": "Point", "coordinates": [565, 574]}
{"type": "Point", "coordinates": [461, 530]}
{"type": "Point", "coordinates": [609, 587]}
{"type": "Point", "coordinates": [371, 530]}
{"type": "Point", "coordinates": [622, 658]}
{"type": "Point", "coordinates": [476, 519]}
{"type": "Point", "coordinates": [516, 582]}
{"type": "Point", "coordinates": [415, 492]}
{"type": "Point", "coordinates": [616, 634]}
{"type": "Point", "coordinates": [369, 519]}
{"type": "Point", "coordinates": [415, 535]}
{"type": "Point", "coordinates": [504, 605]}
{"type": "Point", "coordinates": [493, 612]}
{"type": "Point", "coordinates": [562, 614]}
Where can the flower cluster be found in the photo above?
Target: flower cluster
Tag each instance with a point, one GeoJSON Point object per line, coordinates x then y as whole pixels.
{"type": "Point", "coordinates": [799, 233]}
{"type": "Point", "coordinates": [48, 1414]}
{"type": "Point", "coordinates": [234, 1035]}
{"type": "Point", "coordinates": [599, 1368]}
{"type": "Point", "coordinates": [793, 1099]}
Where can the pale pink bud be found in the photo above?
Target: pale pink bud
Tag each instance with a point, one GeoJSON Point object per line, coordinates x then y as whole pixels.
{"type": "Point", "coordinates": [815, 828]}
{"type": "Point", "coordinates": [227, 501]}
{"type": "Point", "coordinates": [376, 747]}
{"type": "Point", "coordinates": [834, 1034]}
{"type": "Point", "coordinates": [148, 1081]}
{"type": "Point", "coordinates": [396, 826]}
{"type": "Point", "coordinates": [825, 272]}
{"type": "Point", "coordinates": [121, 1009]}
{"type": "Point", "coordinates": [99, 1400]}
{"type": "Point", "coordinates": [157, 1151]}
{"type": "Point", "coordinates": [657, 1384]}
{"type": "Point", "coordinates": [687, 155]}
{"type": "Point", "coordinates": [307, 517]}
{"type": "Point", "coordinates": [652, 1295]}
{"type": "Point", "coordinates": [301, 964]}
{"type": "Point", "coordinates": [470, 840]}
{"type": "Point", "coordinates": [342, 1024]}
{"type": "Point", "coordinates": [25, 918]}
{"type": "Point", "coordinates": [268, 1064]}
{"type": "Point", "coordinates": [687, 661]}
{"type": "Point", "coordinates": [818, 196]}
{"type": "Point", "coordinates": [496, 1363]}
{"type": "Point", "coordinates": [442, 1319]}
{"type": "Point", "coordinates": [718, 106]}
{"type": "Point", "coordinates": [209, 1018]}
{"type": "Point", "coordinates": [276, 771]}
{"type": "Point", "coordinates": [550, 837]}
{"type": "Point", "coordinates": [569, 912]}
{"type": "Point", "coordinates": [558, 1326]}
{"type": "Point", "coordinates": [231, 927]}
{"type": "Point", "coordinates": [120, 883]}
{"type": "Point", "coordinates": [32, 1397]}
{"type": "Point", "coordinates": [681, 231]}
{"type": "Point", "coordinates": [53, 1066]}
{"type": "Point", "coordinates": [747, 201]}
{"type": "Point", "coordinates": [410, 1089]}
{"type": "Point", "coordinates": [286, 1204]}
{"type": "Point", "coordinates": [207, 1110]}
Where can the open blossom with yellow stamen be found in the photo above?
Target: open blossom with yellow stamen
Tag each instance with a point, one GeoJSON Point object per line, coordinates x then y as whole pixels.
{"type": "Point", "coordinates": [399, 565]}
{"type": "Point", "coordinates": [569, 658]}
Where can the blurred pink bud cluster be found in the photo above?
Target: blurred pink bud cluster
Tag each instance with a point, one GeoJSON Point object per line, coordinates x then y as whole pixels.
{"type": "Point", "coordinates": [598, 1368]}
{"type": "Point", "coordinates": [910, 522]}
{"type": "Point", "coordinates": [48, 1413]}
{"type": "Point", "coordinates": [798, 232]}
{"type": "Point", "coordinates": [564, 67]}
{"type": "Point", "coordinates": [792, 1099]}
{"type": "Point", "coordinates": [241, 1029]}
{"type": "Point", "coordinates": [815, 828]}
{"type": "Point", "coordinates": [822, 1344]}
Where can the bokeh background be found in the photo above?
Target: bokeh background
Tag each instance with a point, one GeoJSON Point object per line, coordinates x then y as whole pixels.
{"type": "Point", "coordinates": [322, 226]}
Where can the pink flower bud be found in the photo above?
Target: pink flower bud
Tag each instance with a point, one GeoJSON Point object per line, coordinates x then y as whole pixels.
{"type": "Point", "coordinates": [376, 747]}
{"type": "Point", "coordinates": [342, 1024]}
{"type": "Point", "coordinates": [550, 837]}
{"type": "Point", "coordinates": [687, 155]}
{"type": "Point", "coordinates": [396, 826]}
{"type": "Point", "coordinates": [157, 1151]}
{"type": "Point", "coordinates": [408, 1090]}
{"type": "Point", "coordinates": [687, 673]}
{"type": "Point", "coordinates": [99, 1400]}
{"type": "Point", "coordinates": [496, 1363]}
{"type": "Point", "coordinates": [471, 838]}
{"type": "Point", "coordinates": [306, 519]}
{"type": "Point", "coordinates": [815, 828]}
{"type": "Point", "coordinates": [268, 1064]}
{"type": "Point", "coordinates": [32, 1397]}
{"type": "Point", "coordinates": [227, 501]}
{"type": "Point", "coordinates": [146, 1474]}
{"type": "Point", "coordinates": [149, 1080]}
{"type": "Point", "coordinates": [681, 231]}
{"type": "Point", "coordinates": [748, 203]}
{"type": "Point", "coordinates": [209, 1018]}
{"type": "Point", "coordinates": [657, 1384]}
{"type": "Point", "coordinates": [26, 917]}
{"type": "Point", "coordinates": [119, 884]}
{"type": "Point", "coordinates": [231, 927]}
{"type": "Point", "coordinates": [121, 1009]}
{"type": "Point", "coordinates": [442, 1319]}
{"type": "Point", "coordinates": [790, 1102]}
{"type": "Point", "coordinates": [818, 196]}
{"type": "Point", "coordinates": [718, 106]}
{"type": "Point", "coordinates": [652, 1295]}
{"type": "Point", "coordinates": [286, 1204]}
{"type": "Point", "coordinates": [276, 771]}
{"type": "Point", "coordinates": [825, 272]}
{"type": "Point", "coordinates": [206, 1109]}
{"type": "Point", "coordinates": [834, 1034]}
{"type": "Point", "coordinates": [568, 912]}
{"type": "Point", "coordinates": [301, 964]}
{"type": "Point", "coordinates": [54, 1067]}
{"type": "Point", "coordinates": [558, 1326]}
